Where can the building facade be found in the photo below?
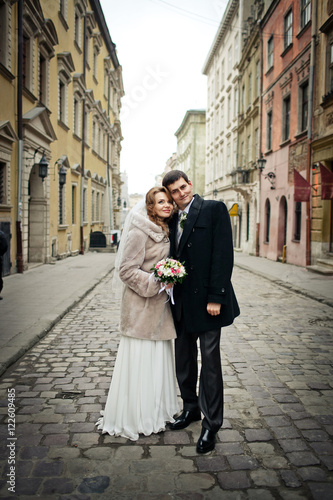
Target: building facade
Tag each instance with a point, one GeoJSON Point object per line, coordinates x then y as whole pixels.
{"type": "Point", "coordinates": [223, 81]}
{"type": "Point", "coordinates": [322, 133]}
{"type": "Point", "coordinates": [191, 145]}
{"type": "Point", "coordinates": [286, 87]}
{"type": "Point", "coordinates": [60, 134]}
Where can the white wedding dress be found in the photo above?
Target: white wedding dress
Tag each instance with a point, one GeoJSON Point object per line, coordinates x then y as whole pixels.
{"type": "Point", "coordinates": [143, 394]}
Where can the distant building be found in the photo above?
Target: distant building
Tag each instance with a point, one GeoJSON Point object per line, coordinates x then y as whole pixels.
{"type": "Point", "coordinates": [191, 144]}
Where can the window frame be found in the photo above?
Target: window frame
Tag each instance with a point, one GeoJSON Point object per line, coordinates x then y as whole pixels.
{"type": "Point", "coordinates": [270, 53]}
{"type": "Point", "coordinates": [288, 29]}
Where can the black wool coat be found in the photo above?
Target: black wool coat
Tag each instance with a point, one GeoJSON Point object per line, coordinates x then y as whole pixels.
{"type": "Point", "coordinates": [206, 249]}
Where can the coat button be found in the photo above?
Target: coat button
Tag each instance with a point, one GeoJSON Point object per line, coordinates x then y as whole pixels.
{"type": "Point", "coordinates": [189, 244]}
{"type": "Point", "coordinates": [222, 290]}
{"type": "Point", "coordinates": [196, 290]}
{"type": "Point", "coordinates": [192, 268]}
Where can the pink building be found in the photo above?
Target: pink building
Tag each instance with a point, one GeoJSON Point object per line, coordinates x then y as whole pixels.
{"type": "Point", "coordinates": [286, 43]}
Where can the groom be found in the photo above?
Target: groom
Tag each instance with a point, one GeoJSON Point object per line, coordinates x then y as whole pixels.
{"type": "Point", "coordinates": [201, 238]}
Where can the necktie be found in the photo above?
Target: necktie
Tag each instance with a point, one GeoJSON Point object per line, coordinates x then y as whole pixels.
{"type": "Point", "coordinates": [179, 230]}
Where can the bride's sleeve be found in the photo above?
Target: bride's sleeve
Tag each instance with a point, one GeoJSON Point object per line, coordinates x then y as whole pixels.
{"type": "Point", "coordinates": [130, 271]}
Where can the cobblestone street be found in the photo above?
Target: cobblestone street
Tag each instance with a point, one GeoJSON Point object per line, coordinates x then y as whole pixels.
{"type": "Point", "coordinates": [276, 441]}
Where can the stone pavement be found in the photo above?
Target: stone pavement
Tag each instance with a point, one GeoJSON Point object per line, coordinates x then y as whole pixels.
{"type": "Point", "coordinates": [34, 301]}
{"type": "Point", "coordinates": [275, 443]}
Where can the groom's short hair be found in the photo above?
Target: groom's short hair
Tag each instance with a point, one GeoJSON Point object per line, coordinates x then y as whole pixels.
{"type": "Point", "coordinates": [173, 176]}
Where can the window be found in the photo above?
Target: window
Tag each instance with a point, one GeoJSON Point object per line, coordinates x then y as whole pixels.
{"type": "Point", "coordinates": [95, 62]}
{"type": "Point", "coordinates": [76, 117]}
{"type": "Point", "coordinates": [286, 119]}
{"type": "Point", "coordinates": [42, 79]}
{"type": "Point", "coordinates": [3, 183]}
{"type": "Point", "coordinates": [256, 144]}
{"type": "Point", "coordinates": [236, 45]}
{"type": "Point", "coordinates": [4, 35]}
{"type": "Point", "coordinates": [247, 221]}
{"type": "Point", "coordinates": [97, 206]}
{"type": "Point", "coordinates": [305, 8]}
{"type": "Point", "coordinates": [298, 219]}
{"type": "Point", "coordinates": [257, 78]}
{"type": "Point", "coordinates": [92, 206]}
{"type": "Point", "coordinates": [228, 158]}
{"type": "Point", "coordinates": [243, 98]}
{"type": "Point", "coordinates": [269, 130]}
{"type": "Point", "coordinates": [270, 53]}
{"type": "Point", "coordinates": [62, 102]}
{"type": "Point", "coordinates": [61, 205]}
{"type": "Point", "coordinates": [267, 220]}
{"type": "Point", "coordinates": [74, 204]}
{"type": "Point", "coordinates": [242, 154]}
{"type": "Point", "coordinates": [304, 91]}
{"type": "Point", "coordinates": [222, 74]}
{"type": "Point", "coordinates": [217, 82]}
{"type": "Point", "coordinates": [229, 109]}
{"type": "Point", "coordinates": [236, 102]}
{"type": "Point", "coordinates": [330, 67]}
{"type": "Point", "coordinates": [250, 89]}
{"type": "Point", "coordinates": [77, 28]}
{"type": "Point", "coordinates": [62, 8]}
{"type": "Point", "coordinates": [288, 29]}
{"type": "Point", "coordinates": [84, 208]}
{"type": "Point", "coordinates": [106, 82]}
{"type": "Point", "coordinates": [235, 152]}
{"type": "Point", "coordinates": [249, 153]}
{"type": "Point", "coordinates": [222, 117]}
{"type": "Point", "coordinates": [27, 62]}
{"type": "Point", "coordinates": [229, 60]}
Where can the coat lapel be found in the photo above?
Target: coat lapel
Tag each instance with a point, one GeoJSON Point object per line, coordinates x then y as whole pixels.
{"type": "Point", "coordinates": [190, 221]}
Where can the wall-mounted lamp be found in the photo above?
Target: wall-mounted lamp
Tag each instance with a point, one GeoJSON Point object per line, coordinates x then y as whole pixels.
{"type": "Point", "coordinates": [62, 176]}
{"type": "Point", "coordinates": [271, 177]}
{"type": "Point", "coordinates": [43, 163]}
{"type": "Point", "coordinates": [118, 201]}
{"type": "Point", "coordinates": [261, 164]}
{"type": "Point", "coordinates": [215, 193]}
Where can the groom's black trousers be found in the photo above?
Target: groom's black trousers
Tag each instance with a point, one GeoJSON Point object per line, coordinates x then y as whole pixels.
{"type": "Point", "coordinates": [210, 399]}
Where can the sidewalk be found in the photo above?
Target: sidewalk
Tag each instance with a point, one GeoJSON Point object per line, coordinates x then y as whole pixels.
{"type": "Point", "coordinates": [33, 302]}
{"type": "Point", "coordinates": [298, 279]}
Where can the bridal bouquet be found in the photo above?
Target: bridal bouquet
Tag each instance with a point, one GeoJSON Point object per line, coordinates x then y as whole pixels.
{"type": "Point", "coordinates": [169, 271]}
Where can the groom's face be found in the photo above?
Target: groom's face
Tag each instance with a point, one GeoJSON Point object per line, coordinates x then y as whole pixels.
{"type": "Point", "coordinates": [181, 192]}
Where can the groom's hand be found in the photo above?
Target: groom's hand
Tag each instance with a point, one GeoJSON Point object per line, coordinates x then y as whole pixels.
{"type": "Point", "coordinates": [213, 309]}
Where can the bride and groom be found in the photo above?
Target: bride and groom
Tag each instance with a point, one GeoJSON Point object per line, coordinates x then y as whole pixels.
{"type": "Point", "coordinates": [143, 397]}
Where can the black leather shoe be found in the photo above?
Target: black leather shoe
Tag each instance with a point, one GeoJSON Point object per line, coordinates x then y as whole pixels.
{"type": "Point", "coordinates": [206, 441]}
{"type": "Point", "coordinates": [185, 419]}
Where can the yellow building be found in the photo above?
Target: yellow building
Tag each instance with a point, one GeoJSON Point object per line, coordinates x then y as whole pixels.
{"type": "Point", "coordinates": [61, 83]}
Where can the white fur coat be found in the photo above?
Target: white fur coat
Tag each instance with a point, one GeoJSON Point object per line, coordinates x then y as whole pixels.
{"type": "Point", "coordinates": [145, 314]}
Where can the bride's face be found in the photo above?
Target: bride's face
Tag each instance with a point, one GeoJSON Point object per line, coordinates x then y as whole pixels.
{"type": "Point", "coordinates": [163, 206]}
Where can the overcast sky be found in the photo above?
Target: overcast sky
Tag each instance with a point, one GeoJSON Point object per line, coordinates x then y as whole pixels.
{"type": "Point", "coordinates": [162, 47]}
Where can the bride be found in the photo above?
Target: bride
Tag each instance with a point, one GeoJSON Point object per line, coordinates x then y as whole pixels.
{"type": "Point", "coordinates": [142, 396]}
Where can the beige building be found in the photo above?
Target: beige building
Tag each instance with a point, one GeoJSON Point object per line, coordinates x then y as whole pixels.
{"type": "Point", "coordinates": [60, 132]}
{"type": "Point", "coordinates": [191, 144]}
{"type": "Point", "coordinates": [322, 135]}
{"type": "Point", "coordinates": [232, 116]}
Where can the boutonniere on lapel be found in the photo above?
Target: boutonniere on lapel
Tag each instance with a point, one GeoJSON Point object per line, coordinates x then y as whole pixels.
{"type": "Point", "coordinates": [182, 219]}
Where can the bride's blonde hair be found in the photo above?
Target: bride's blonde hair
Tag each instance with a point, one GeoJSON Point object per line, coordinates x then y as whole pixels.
{"type": "Point", "coordinates": [150, 203]}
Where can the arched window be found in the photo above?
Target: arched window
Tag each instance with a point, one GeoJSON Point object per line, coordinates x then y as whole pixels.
{"type": "Point", "coordinates": [267, 219]}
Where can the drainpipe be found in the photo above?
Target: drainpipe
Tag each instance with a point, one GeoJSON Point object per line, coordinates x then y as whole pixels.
{"type": "Point", "coordinates": [19, 252]}
{"type": "Point", "coordinates": [260, 136]}
{"type": "Point", "coordinates": [83, 132]}
{"type": "Point", "coordinates": [310, 117]}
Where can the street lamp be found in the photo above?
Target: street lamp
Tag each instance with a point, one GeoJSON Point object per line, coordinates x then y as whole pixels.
{"type": "Point", "coordinates": [43, 166]}
{"type": "Point", "coordinates": [62, 176]}
{"type": "Point", "coordinates": [261, 164]}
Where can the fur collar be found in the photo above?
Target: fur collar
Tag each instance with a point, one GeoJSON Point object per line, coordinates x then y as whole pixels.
{"type": "Point", "coordinates": [154, 231]}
